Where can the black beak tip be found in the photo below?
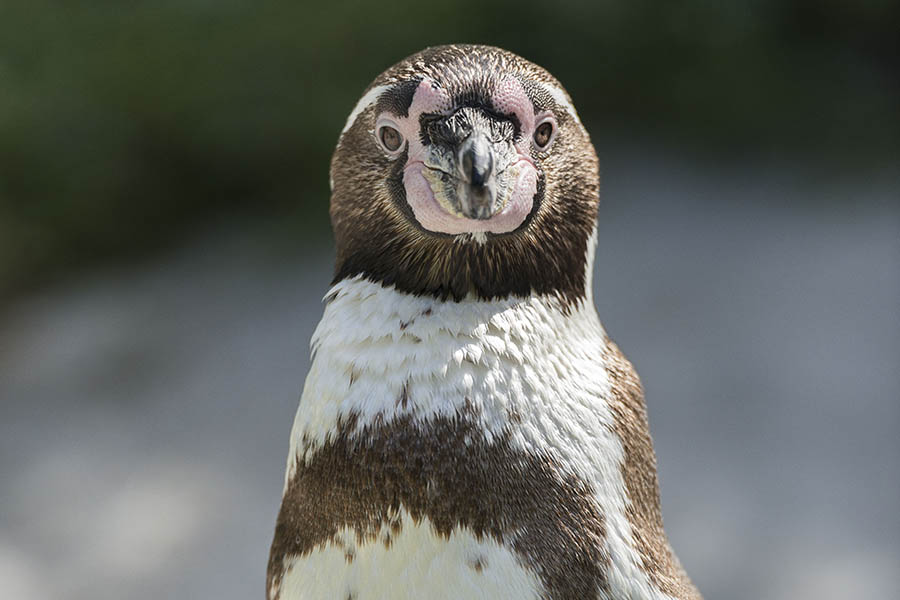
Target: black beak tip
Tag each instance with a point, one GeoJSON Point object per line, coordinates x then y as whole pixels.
{"type": "Point", "coordinates": [480, 202]}
{"type": "Point", "coordinates": [479, 213]}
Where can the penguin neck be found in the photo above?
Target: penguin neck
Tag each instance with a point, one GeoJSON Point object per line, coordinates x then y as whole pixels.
{"type": "Point", "coordinates": [552, 262]}
{"type": "Point", "coordinates": [379, 353]}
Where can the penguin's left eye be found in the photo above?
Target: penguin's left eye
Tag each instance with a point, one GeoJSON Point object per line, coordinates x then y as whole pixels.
{"type": "Point", "coordinates": [391, 139]}
{"type": "Point", "coordinates": [543, 134]}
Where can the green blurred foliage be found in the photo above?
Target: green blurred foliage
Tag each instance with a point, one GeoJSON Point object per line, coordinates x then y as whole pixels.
{"type": "Point", "coordinates": [122, 123]}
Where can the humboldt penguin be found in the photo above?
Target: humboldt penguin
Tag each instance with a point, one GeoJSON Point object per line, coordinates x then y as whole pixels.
{"type": "Point", "coordinates": [467, 428]}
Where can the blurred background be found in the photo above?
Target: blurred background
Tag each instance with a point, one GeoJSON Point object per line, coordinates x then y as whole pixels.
{"type": "Point", "coordinates": [164, 246]}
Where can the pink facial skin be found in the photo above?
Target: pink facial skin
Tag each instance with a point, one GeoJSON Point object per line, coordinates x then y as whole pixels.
{"type": "Point", "coordinates": [509, 98]}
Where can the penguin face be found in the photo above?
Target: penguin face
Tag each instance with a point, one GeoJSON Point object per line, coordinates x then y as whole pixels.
{"type": "Point", "coordinates": [469, 163]}
{"type": "Point", "coordinates": [465, 170]}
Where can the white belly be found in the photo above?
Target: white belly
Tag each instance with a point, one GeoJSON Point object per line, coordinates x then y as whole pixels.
{"type": "Point", "coordinates": [416, 563]}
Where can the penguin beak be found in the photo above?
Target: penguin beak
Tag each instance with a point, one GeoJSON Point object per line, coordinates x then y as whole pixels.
{"type": "Point", "coordinates": [468, 163]}
{"type": "Point", "coordinates": [477, 189]}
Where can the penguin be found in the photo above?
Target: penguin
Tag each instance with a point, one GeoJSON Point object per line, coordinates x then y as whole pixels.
{"type": "Point", "coordinates": [467, 429]}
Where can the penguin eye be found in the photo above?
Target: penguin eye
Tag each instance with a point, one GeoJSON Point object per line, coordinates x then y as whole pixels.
{"type": "Point", "coordinates": [391, 139]}
{"type": "Point", "coordinates": [543, 134]}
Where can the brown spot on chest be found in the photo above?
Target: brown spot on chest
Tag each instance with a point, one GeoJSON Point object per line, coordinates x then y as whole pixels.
{"type": "Point", "coordinates": [405, 324]}
{"type": "Point", "coordinates": [477, 564]}
{"type": "Point", "coordinates": [403, 399]}
{"type": "Point", "coordinates": [446, 471]}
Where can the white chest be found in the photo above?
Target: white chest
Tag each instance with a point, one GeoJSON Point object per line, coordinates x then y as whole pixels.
{"type": "Point", "coordinates": [523, 371]}
{"type": "Point", "coordinates": [518, 364]}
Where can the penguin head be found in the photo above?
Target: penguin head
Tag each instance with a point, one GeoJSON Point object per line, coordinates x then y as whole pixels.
{"type": "Point", "coordinates": [465, 170]}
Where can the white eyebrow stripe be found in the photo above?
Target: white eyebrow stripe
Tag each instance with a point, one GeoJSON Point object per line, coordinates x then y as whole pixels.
{"type": "Point", "coordinates": [560, 97]}
{"type": "Point", "coordinates": [364, 102]}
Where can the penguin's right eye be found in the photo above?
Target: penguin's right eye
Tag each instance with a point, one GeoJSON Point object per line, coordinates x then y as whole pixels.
{"type": "Point", "coordinates": [391, 139]}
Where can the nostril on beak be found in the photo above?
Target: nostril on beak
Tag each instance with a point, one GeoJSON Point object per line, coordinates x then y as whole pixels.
{"type": "Point", "coordinates": [476, 160]}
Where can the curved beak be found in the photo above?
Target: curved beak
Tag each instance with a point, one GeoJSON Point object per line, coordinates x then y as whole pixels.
{"type": "Point", "coordinates": [469, 159]}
